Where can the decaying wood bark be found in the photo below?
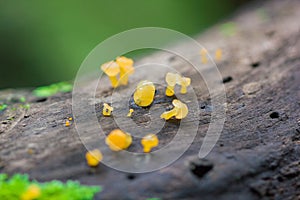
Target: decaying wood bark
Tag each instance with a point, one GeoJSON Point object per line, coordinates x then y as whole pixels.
{"type": "Point", "coordinates": [257, 156]}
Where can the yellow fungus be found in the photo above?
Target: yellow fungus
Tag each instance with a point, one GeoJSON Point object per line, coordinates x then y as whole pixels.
{"type": "Point", "coordinates": [93, 157]}
{"type": "Point", "coordinates": [184, 82]}
{"type": "Point", "coordinates": [218, 54]}
{"type": "Point", "coordinates": [70, 118]}
{"type": "Point", "coordinates": [130, 112]}
{"type": "Point", "coordinates": [107, 109]}
{"type": "Point", "coordinates": [30, 151]}
{"type": "Point", "coordinates": [118, 140]}
{"type": "Point", "coordinates": [144, 93]}
{"type": "Point", "coordinates": [179, 111]}
{"type": "Point", "coordinates": [203, 54]}
{"type": "Point", "coordinates": [32, 192]}
{"type": "Point", "coordinates": [126, 69]}
{"type": "Point", "coordinates": [171, 80]}
{"type": "Point", "coordinates": [111, 69]}
{"type": "Point", "coordinates": [149, 141]}
{"type": "Point", "coordinates": [68, 123]}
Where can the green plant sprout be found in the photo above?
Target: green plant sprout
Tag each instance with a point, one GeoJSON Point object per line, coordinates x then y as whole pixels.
{"type": "Point", "coordinates": [47, 91]}
{"type": "Point", "coordinates": [19, 187]}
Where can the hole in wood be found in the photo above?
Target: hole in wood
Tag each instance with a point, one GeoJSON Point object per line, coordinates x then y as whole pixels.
{"type": "Point", "coordinates": [200, 167]}
{"type": "Point", "coordinates": [255, 64]}
{"type": "Point", "coordinates": [40, 100]}
{"type": "Point", "coordinates": [131, 177]}
{"type": "Point", "coordinates": [227, 79]}
{"type": "Point", "coordinates": [274, 115]}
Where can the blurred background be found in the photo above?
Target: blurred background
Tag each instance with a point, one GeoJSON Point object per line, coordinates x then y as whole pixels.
{"type": "Point", "coordinates": [43, 42]}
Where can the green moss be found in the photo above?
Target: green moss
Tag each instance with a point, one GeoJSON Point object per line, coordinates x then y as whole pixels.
{"type": "Point", "coordinates": [13, 188]}
{"type": "Point", "coordinates": [3, 107]}
{"type": "Point", "coordinates": [46, 91]}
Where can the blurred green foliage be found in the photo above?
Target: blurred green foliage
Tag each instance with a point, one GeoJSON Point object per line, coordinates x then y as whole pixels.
{"type": "Point", "coordinates": [45, 41]}
{"type": "Point", "coordinates": [16, 186]}
{"type": "Point", "coordinates": [3, 107]}
{"type": "Point", "coordinates": [47, 91]}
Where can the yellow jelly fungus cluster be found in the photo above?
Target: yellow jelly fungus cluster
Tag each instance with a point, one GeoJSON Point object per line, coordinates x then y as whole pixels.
{"type": "Point", "coordinates": [111, 69]}
{"type": "Point", "coordinates": [144, 93]}
{"type": "Point", "coordinates": [149, 141]}
{"type": "Point", "coordinates": [93, 157]}
{"type": "Point", "coordinates": [122, 67]}
{"type": "Point", "coordinates": [126, 69]}
{"type": "Point", "coordinates": [203, 54]}
{"type": "Point", "coordinates": [179, 111]}
{"type": "Point", "coordinates": [107, 109]}
{"type": "Point", "coordinates": [30, 151]}
{"type": "Point", "coordinates": [67, 123]}
{"type": "Point", "coordinates": [32, 192]}
{"type": "Point", "coordinates": [184, 82]}
{"type": "Point", "coordinates": [172, 79]}
{"type": "Point", "coordinates": [218, 54]}
{"type": "Point", "coordinates": [130, 112]}
{"type": "Point", "coordinates": [118, 140]}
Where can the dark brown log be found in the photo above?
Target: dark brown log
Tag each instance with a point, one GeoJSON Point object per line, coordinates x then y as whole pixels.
{"type": "Point", "coordinates": [257, 156]}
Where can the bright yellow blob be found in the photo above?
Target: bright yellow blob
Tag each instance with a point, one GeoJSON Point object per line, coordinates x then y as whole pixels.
{"type": "Point", "coordinates": [67, 123]}
{"type": "Point", "coordinates": [218, 54]}
{"type": "Point", "coordinates": [149, 141]}
{"type": "Point", "coordinates": [172, 79]}
{"type": "Point", "coordinates": [126, 69]}
{"type": "Point", "coordinates": [111, 69]}
{"type": "Point", "coordinates": [203, 54]}
{"type": "Point", "coordinates": [130, 112]}
{"type": "Point", "coordinates": [107, 109]}
{"type": "Point", "coordinates": [144, 93]}
{"type": "Point", "coordinates": [184, 82]}
{"type": "Point", "coordinates": [118, 140]}
{"type": "Point", "coordinates": [179, 111]}
{"type": "Point", "coordinates": [93, 157]}
{"type": "Point", "coordinates": [32, 192]}
{"type": "Point", "coordinates": [122, 66]}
